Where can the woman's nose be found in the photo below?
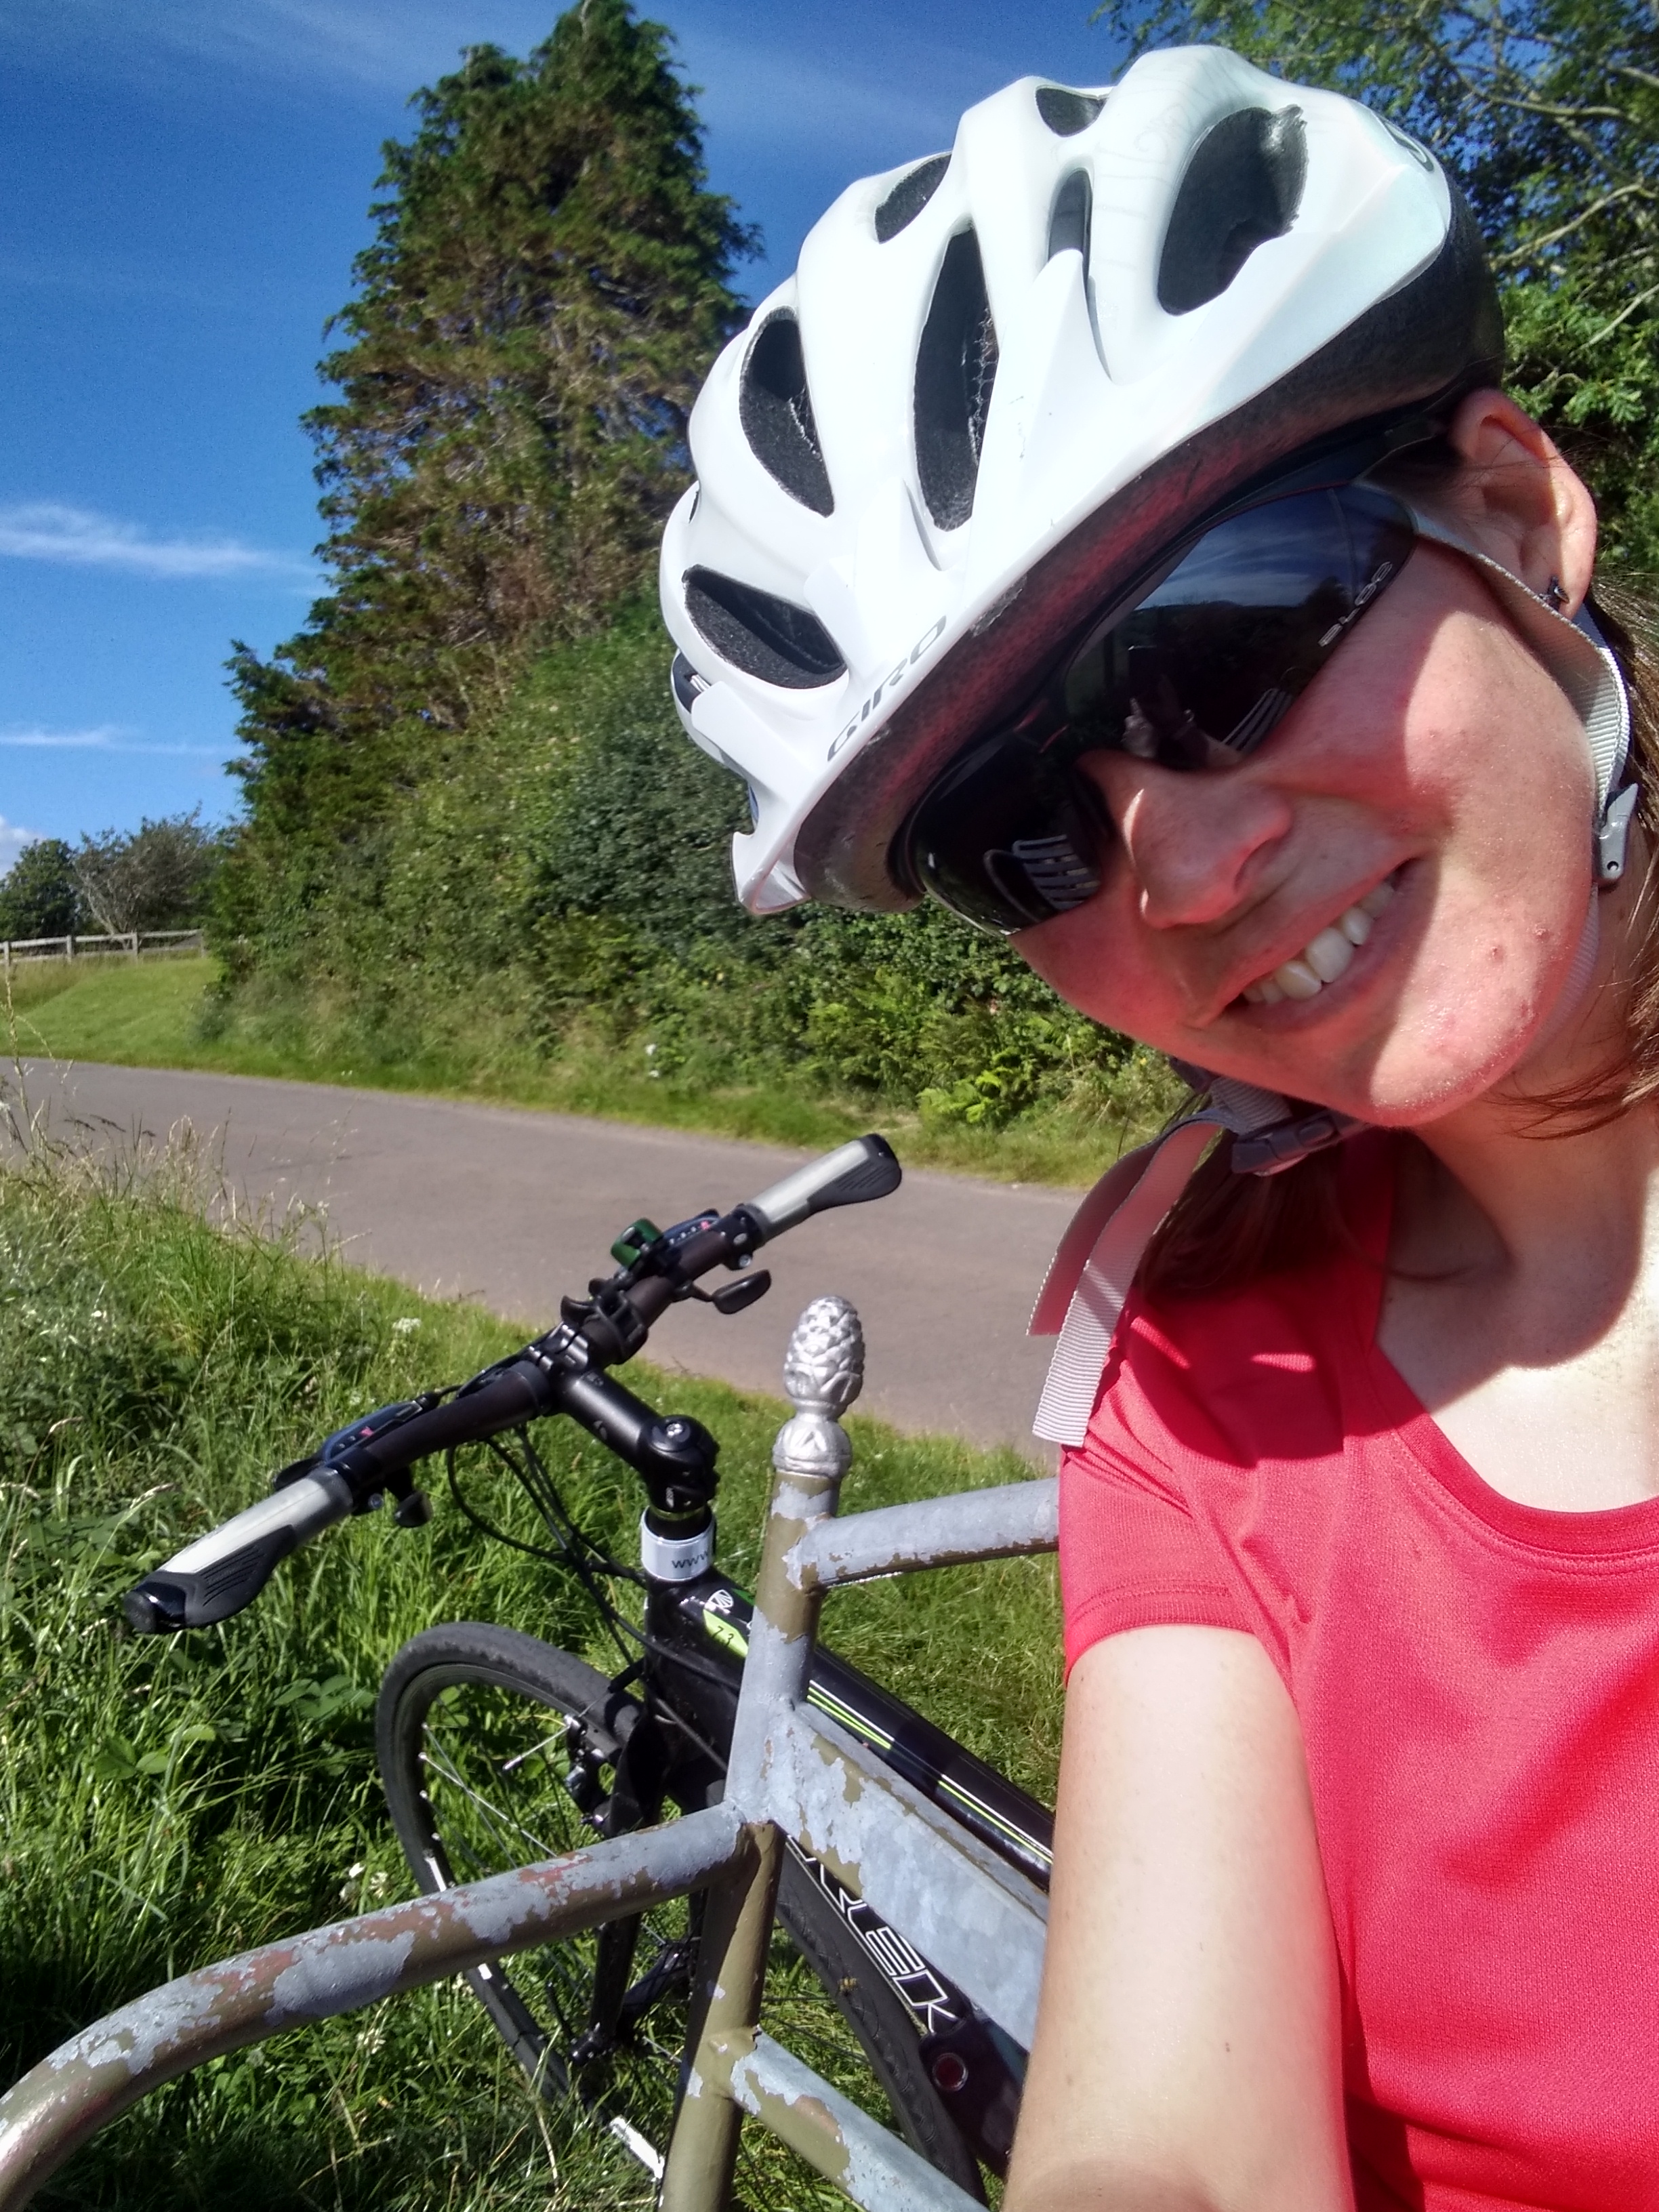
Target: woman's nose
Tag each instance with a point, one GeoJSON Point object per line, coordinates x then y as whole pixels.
{"type": "Point", "coordinates": [1196, 841]}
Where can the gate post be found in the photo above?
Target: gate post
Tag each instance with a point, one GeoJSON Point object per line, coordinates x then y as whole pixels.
{"type": "Point", "coordinates": [822, 1373]}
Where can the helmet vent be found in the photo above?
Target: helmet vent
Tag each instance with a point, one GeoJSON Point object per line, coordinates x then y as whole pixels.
{"type": "Point", "coordinates": [764, 635]}
{"type": "Point", "coordinates": [1066, 112]}
{"type": "Point", "coordinates": [689, 686]}
{"type": "Point", "coordinates": [955, 371]}
{"type": "Point", "coordinates": [1242, 186]}
{"type": "Point", "coordinates": [775, 409]}
{"type": "Point", "coordinates": [909, 195]}
{"type": "Point", "coordinates": [1068, 226]}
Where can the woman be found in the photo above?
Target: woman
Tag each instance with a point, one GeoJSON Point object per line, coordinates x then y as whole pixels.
{"type": "Point", "coordinates": [1118, 531]}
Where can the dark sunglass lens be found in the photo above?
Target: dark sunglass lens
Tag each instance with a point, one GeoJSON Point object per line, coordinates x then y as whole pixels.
{"type": "Point", "coordinates": [1006, 838]}
{"type": "Point", "coordinates": [1198, 674]}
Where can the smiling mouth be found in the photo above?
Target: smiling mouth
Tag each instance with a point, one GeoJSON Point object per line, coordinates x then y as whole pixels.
{"type": "Point", "coordinates": [1324, 958]}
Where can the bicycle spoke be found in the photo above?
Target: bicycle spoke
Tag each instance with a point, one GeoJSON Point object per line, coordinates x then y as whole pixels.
{"type": "Point", "coordinates": [506, 1825]}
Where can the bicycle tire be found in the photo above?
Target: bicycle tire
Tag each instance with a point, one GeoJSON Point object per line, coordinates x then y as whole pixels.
{"type": "Point", "coordinates": [451, 1830]}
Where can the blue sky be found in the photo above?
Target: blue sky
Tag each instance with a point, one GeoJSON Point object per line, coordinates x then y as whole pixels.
{"type": "Point", "coordinates": [185, 183]}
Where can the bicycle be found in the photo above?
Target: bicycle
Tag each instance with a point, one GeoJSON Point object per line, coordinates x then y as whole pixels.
{"type": "Point", "coordinates": [497, 1749]}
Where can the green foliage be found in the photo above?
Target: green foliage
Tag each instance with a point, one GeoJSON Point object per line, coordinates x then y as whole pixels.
{"type": "Point", "coordinates": [1549, 111]}
{"type": "Point", "coordinates": [548, 284]}
{"type": "Point", "coordinates": [159, 876]}
{"type": "Point", "coordinates": [167, 1803]}
{"type": "Point", "coordinates": [38, 892]}
{"type": "Point", "coordinates": [567, 884]}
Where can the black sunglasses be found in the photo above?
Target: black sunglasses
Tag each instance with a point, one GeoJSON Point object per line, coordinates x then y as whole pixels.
{"type": "Point", "coordinates": [1193, 671]}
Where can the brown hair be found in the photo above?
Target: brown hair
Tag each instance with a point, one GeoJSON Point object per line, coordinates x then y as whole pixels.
{"type": "Point", "coordinates": [1226, 1230]}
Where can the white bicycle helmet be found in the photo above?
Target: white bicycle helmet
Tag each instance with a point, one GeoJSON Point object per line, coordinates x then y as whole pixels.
{"type": "Point", "coordinates": [1011, 375]}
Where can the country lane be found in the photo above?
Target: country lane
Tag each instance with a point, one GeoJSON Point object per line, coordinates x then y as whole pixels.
{"type": "Point", "coordinates": [512, 1208]}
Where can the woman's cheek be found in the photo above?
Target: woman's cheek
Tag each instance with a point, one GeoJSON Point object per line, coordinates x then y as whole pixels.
{"type": "Point", "coordinates": [1089, 958]}
{"type": "Point", "coordinates": [1477, 991]}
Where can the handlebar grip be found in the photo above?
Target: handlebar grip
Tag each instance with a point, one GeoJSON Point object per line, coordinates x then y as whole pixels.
{"type": "Point", "coordinates": [227, 1568]}
{"type": "Point", "coordinates": [865, 1169]}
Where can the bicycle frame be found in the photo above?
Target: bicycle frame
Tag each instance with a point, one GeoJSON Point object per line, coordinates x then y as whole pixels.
{"type": "Point", "coordinates": [794, 1774]}
{"type": "Point", "coordinates": [710, 1619]}
{"type": "Point", "coordinates": [978, 2071]}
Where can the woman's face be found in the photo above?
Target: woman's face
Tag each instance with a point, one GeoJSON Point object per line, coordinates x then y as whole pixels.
{"type": "Point", "coordinates": [1431, 793]}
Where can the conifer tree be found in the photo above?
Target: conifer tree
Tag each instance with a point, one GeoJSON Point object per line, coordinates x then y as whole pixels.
{"type": "Point", "coordinates": [548, 282]}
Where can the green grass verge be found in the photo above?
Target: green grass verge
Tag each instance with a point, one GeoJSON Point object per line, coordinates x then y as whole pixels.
{"type": "Point", "coordinates": [164, 1803]}
{"type": "Point", "coordinates": [161, 1014]}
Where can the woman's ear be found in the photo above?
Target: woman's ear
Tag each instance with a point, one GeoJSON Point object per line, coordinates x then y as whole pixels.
{"type": "Point", "coordinates": [1519, 495]}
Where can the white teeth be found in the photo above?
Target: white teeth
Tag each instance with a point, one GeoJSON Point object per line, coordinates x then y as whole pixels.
{"type": "Point", "coordinates": [1266, 992]}
{"type": "Point", "coordinates": [1297, 981]}
{"type": "Point", "coordinates": [1326, 958]}
{"type": "Point", "coordinates": [1328, 954]}
{"type": "Point", "coordinates": [1355, 925]}
{"type": "Point", "coordinates": [1374, 902]}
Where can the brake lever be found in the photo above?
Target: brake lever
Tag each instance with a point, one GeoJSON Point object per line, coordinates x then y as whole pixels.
{"type": "Point", "coordinates": [733, 1297]}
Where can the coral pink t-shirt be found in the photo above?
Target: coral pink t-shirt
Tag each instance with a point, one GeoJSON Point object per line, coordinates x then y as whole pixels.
{"type": "Point", "coordinates": [1478, 1687]}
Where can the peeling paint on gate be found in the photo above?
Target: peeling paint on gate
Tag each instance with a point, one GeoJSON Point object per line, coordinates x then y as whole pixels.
{"type": "Point", "coordinates": [108, 2066]}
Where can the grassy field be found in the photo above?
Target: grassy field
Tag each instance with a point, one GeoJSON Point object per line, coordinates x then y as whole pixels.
{"type": "Point", "coordinates": [160, 1013]}
{"type": "Point", "coordinates": [164, 1803]}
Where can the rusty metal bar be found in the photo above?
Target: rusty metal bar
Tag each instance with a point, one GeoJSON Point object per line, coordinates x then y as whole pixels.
{"type": "Point", "coordinates": [89, 2080]}
{"type": "Point", "coordinates": [973, 1917]}
{"type": "Point", "coordinates": [822, 1373]}
{"type": "Point", "coordinates": [866, 2162]}
{"type": "Point", "coordinates": [1007, 1522]}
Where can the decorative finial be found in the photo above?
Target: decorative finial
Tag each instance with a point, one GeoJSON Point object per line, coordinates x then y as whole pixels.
{"type": "Point", "coordinates": [824, 1367]}
{"type": "Point", "coordinates": [822, 1373]}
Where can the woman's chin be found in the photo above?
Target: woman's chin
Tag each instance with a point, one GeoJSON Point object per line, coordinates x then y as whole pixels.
{"type": "Point", "coordinates": [1410, 1086]}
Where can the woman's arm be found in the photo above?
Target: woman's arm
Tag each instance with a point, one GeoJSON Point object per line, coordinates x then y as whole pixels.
{"type": "Point", "coordinates": [1187, 2055]}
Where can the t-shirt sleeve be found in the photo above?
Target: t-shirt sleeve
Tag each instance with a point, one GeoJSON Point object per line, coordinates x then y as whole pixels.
{"type": "Point", "coordinates": [1131, 1554]}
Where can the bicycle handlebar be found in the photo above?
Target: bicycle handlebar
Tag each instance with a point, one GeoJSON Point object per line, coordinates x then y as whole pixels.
{"type": "Point", "coordinates": [862, 1170]}
{"type": "Point", "coordinates": [224, 1571]}
{"type": "Point", "coordinates": [228, 1568]}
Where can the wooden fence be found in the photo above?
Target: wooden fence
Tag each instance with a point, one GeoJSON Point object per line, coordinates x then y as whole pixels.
{"type": "Point", "coordinates": [131, 942]}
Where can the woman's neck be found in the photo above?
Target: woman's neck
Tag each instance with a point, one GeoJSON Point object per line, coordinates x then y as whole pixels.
{"type": "Point", "coordinates": [1523, 1299]}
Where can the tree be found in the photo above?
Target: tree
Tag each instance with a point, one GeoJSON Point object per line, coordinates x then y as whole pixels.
{"type": "Point", "coordinates": [1548, 111]}
{"type": "Point", "coordinates": [157, 878]}
{"type": "Point", "coordinates": [548, 284]}
{"type": "Point", "coordinates": [37, 892]}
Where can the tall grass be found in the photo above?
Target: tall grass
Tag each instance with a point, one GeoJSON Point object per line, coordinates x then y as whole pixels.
{"type": "Point", "coordinates": [166, 1802]}
{"type": "Point", "coordinates": [170, 1014]}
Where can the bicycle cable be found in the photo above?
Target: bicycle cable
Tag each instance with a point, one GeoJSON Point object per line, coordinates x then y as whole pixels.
{"type": "Point", "coordinates": [586, 1560]}
{"type": "Point", "coordinates": [577, 1550]}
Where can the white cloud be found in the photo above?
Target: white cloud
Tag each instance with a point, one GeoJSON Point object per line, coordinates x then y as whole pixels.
{"type": "Point", "coordinates": [375, 47]}
{"type": "Point", "coordinates": [768, 85]}
{"type": "Point", "coordinates": [106, 737]}
{"type": "Point", "coordinates": [12, 841]}
{"type": "Point", "coordinates": [48, 530]}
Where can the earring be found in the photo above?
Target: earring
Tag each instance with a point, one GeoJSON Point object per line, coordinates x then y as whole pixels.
{"type": "Point", "coordinates": [1554, 594]}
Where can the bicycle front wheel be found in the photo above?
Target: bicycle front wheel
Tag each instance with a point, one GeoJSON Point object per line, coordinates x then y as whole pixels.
{"type": "Point", "coordinates": [496, 1750]}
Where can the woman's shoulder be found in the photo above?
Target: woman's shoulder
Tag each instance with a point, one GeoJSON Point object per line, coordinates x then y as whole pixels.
{"type": "Point", "coordinates": [1266, 1368]}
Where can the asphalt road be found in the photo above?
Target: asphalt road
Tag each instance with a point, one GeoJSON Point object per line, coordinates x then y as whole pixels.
{"type": "Point", "coordinates": [512, 1208]}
